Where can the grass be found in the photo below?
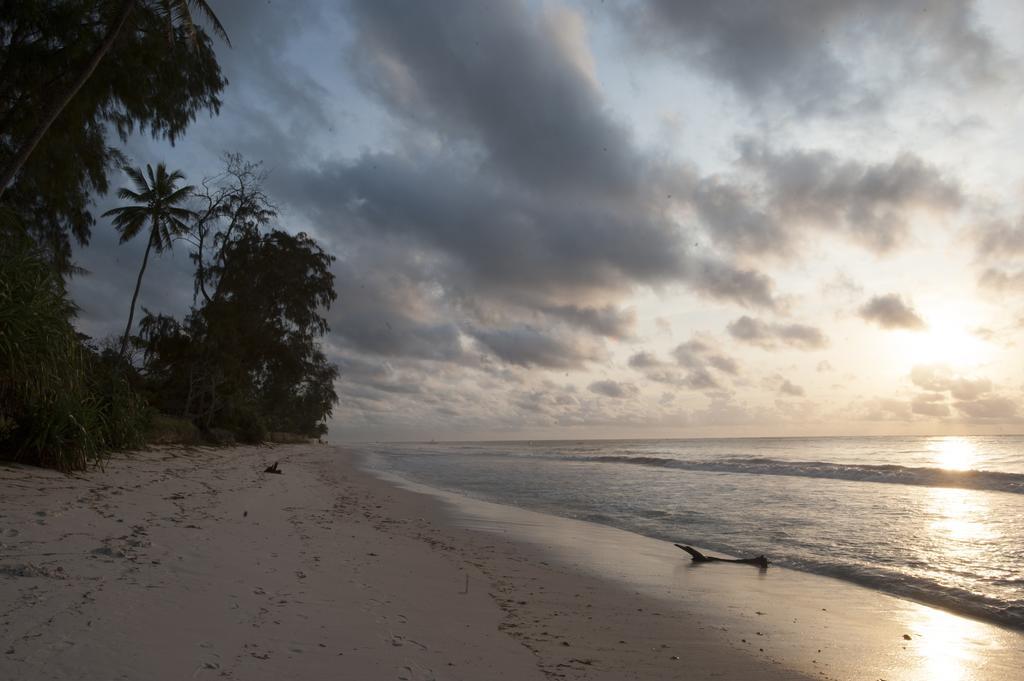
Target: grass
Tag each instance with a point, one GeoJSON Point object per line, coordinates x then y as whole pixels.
{"type": "Point", "coordinates": [62, 405]}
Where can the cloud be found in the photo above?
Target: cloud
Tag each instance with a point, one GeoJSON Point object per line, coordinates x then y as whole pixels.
{"type": "Point", "coordinates": [939, 378]}
{"type": "Point", "coordinates": [756, 332]}
{"type": "Point", "coordinates": [870, 203]}
{"type": "Point", "coordinates": [604, 321]}
{"type": "Point", "coordinates": [999, 238]}
{"type": "Point", "coordinates": [733, 219]}
{"type": "Point", "coordinates": [973, 397]}
{"type": "Point", "coordinates": [805, 54]}
{"type": "Point", "coordinates": [551, 207]}
{"type": "Point", "coordinates": [985, 408]}
{"type": "Point", "coordinates": [526, 346]}
{"type": "Point", "coordinates": [614, 389]}
{"type": "Point", "coordinates": [644, 360]}
{"type": "Point", "coordinates": [888, 409]}
{"type": "Point", "coordinates": [1001, 280]}
{"type": "Point", "coordinates": [930, 404]}
{"type": "Point", "coordinates": [891, 312]}
{"type": "Point", "coordinates": [933, 377]}
{"type": "Point", "coordinates": [692, 356]}
{"type": "Point", "coordinates": [699, 379]}
{"type": "Point", "coordinates": [823, 366]}
{"type": "Point", "coordinates": [724, 364]}
{"type": "Point", "coordinates": [783, 385]}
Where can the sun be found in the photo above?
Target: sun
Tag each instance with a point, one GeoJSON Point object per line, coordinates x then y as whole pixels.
{"type": "Point", "coordinates": [947, 340]}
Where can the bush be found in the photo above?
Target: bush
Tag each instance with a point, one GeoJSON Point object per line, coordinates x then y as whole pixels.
{"type": "Point", "coordinates": [248, 427]}
{"type": "Point", "coordinates": [172, 430]}
{"type": "Point", "coordinates": [61, 405]}
{"type": "Point", "coordinates": [219, 436]}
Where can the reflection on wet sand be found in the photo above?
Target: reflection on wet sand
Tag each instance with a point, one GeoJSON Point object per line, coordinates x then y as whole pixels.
{"type": "Point", "coordinates": [947, 647]}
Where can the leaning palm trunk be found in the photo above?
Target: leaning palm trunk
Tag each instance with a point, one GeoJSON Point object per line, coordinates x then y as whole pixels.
{"type": "Point", "coordinates": [12, 166]}
{"type": "Point", "coordinates": [135, 296]}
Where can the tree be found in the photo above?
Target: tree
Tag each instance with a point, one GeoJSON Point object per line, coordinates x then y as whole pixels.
{"type": "Point", "coordinates": [247, 357]}
{"type": "Point", "coordinates": [158, 196]}
{"type": "Point", "coordinates": [172, 12]}
{"type": "Point", "coordinates": [158, 73]}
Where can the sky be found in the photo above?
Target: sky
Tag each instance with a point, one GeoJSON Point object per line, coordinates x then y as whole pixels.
{"type": "Point", "coordinates": [632, 218]}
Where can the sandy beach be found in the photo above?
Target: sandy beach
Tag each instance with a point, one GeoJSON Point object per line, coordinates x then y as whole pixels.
{"type": "Point", "coordinates": [193, 563]}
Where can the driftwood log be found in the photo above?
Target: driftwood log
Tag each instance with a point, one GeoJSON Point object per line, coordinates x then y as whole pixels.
{"type": "Point", "coordinates": [699, 557]}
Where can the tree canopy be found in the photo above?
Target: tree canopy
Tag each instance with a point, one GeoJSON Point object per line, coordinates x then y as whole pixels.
{"type": "Point", "coordinates": [247, 357]}
{"type": "Point", "coordinates": [157, 77]}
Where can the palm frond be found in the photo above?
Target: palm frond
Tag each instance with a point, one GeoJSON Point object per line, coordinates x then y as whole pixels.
{"type": "Point", "coordinates": [207, 13]}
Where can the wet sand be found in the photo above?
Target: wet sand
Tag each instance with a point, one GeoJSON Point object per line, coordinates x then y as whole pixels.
{"type": "Point", "coordinates": [178, 564]}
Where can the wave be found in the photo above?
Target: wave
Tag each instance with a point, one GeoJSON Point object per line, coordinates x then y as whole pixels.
{"type": "Point", "coordinates": [993, 481]}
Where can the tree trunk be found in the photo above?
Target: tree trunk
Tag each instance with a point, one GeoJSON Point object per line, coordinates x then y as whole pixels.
{"type": "Point", "coordinates": [135, 296]}
{"type": "Point", "coordinates": [50, 114]}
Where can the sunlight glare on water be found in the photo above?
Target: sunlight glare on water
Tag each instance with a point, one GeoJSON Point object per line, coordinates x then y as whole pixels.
{"type": "Point", "coordinates": [954, 453]}
{"type": "Point", "coordinates": [959, 517]}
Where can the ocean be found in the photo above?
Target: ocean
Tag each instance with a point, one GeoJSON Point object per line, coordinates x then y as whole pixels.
{"type": "Point", "coordinates": [939, 520]}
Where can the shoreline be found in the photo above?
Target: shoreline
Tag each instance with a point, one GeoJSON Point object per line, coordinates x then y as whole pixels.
{"type": "Point", "coordinates": [817, 625]}
{"type": "Point", "coordinates": [192, 563]}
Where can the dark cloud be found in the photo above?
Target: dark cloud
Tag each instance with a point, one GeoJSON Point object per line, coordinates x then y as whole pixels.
{"type": "Point", "coordinates": [871, 203]}
{"type": "Point", "coordinates": [999, 238]}
{"type": "Point", "coordinates": [523, 211]}
{"type": "Point", "coordinates": [724, 364]}
{"type": "Point", "coordinates": [733, 219]}
{"type": "Point", "coordinates": [721, 280]}
{"type": "Point", "coordinates": [801, 336]}
{"type": "Point", "coordinates": [891, 312]}
{"type": "Point", "coordinates": [803, 53]}
{"type": "Point", "coordinates": [603, 321]}
{"type": "Point", "coordinates": [644, 360]}
{"type": "Point", "coordinates": [692, 356]}
{"type": "Point", "coordinates": [384, 312]}
{"type": "Point", "coordinates": [749, 330]}
{"type": "Point", "coordinates": [616, 389]}
{"type": "Point", "coordinates": [689, 354]}
{"type": "Point", "coordinates": [555, 198]}
{"type": "Point", "coordinates": [527, 346]}
{"type": "Point", "coordinates": [766, 335]}
{"type": "Point", "coordinates": [699, 379]}
{"type": "Point", "coordinates": [479, 70]}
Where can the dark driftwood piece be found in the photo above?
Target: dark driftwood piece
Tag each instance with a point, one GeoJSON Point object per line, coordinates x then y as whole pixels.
{"type": "Point", "coordinates": [699, 557]}
{"type": "Point", "coordinates": [272, 469]}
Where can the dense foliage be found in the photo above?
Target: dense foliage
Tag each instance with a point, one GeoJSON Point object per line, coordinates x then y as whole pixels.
{"type": "Point", "coordinates": [246, 358]}
{"type": "Point", "coordinates": [156, 78]}
{"type": "Point", "coordinates": [62, 403]}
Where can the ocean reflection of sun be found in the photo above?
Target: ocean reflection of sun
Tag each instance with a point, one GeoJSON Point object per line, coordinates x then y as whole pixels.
{"type": "Point", "coordinates": [959, 519]}
{"type": "Point", "coordinates": [955, 453]}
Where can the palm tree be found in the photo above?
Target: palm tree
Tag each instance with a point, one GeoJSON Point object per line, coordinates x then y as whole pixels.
{"type": "Point", "coordinates": [172, 12]}
{"type": "Point", "coordinates": [157, 196]}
